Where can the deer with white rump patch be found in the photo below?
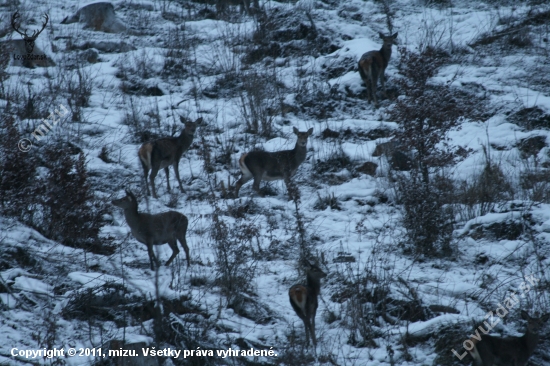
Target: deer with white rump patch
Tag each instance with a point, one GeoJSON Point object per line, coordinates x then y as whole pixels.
{"type": "Point", "coordinates": [304, 299]}
{"type": "Point", "coordinates": [513, 351]}
{"type": "Point", "coordinates": [163, 152]}
{"type": "Point", "coordinates": [163, 228]}
{"type": "Point", "coordinates": [373, 64]}
{"type": "Point", "coordinates": [269, 166]}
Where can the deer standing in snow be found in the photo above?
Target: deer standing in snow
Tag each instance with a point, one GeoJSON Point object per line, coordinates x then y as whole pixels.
{"type": "Point", "coordinates": [304, 299]}
{"type": "Point", "coordinates": [514, 351]}
{"type": "Point", "coordinates": [372, 66]}
{"type": "Point", "coordinates": [269, 166]}
{"type": "Point", "coordinates": [167, 227]}
{"type": "Point", "coordinates": [163, 152]}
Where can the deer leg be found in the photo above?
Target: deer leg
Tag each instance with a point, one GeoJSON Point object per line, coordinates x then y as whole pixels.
{"type": "Point", "coordinates": [383, 81]}
{"type": "Point", "coordinates": [175, 251]}
{"type": "Point", "coordinates": [154, 172]}
{"type": "Point", "coordinates": [152, 257]}
{"type": "Point", "coordinates": [307, 327]}
{"type": "Point", "coordinates": [177, 170]}
{"type": "Point", "coordinates": [369, 90]}
{"type": "Point", "coordinates": [256, 184]}
{"type": "Point", "coordinates": [183, 242]}
{"type": "Point", "coordinates": [240, 182]}
{"type": "Point", "coordinates": [312, 328]}
{"type": "Point", "coordinates": [145, 171]}
{"type": "Point", "coordinates": [167, 172]}
{"type": "Point", "coordinates": [374, 81]}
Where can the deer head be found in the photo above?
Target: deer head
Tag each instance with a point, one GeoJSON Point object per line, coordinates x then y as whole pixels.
{"type": "Point", "coordinates": [29, 40]}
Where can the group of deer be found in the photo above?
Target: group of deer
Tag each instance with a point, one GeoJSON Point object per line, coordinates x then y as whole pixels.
{"type": "Point", "coordinates": [258, 165]}
{"type": "Point", "coordinates": [171, 226]}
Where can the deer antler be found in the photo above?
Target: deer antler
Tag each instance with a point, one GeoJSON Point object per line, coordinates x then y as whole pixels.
{"type": "Point", "coordinates": [43, 26]}
{"type": "Point", "coordinates": [14, 26]}
{"type": "Point", "coordinates": [34, 33]}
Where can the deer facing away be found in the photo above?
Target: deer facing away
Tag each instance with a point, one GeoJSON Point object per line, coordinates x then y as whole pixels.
{"type": "Point", "coordinates": [304, 299]}
{"type": "Point", "coordinates": [514, 351]}
{"type": "Point", "coordinates": [163, 152]}
{"type": "Point", "coordinates": [372, 66]}
{"type": "Point", "coordinates": [269, 166]}
{"type": "Point", "coordinates": [167, 227]}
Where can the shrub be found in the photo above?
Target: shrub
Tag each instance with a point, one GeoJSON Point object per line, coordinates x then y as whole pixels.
{"type": "Point", "coordinates": [71, 214]}
{"type": "Point", "coordinates": [17, 172]}
{"type": "Point", "coordinates": [235, 264]}
{"type": "Point", "coordinates": [426, 114]}
{"type": "Point", "coordinates": [59, 204]}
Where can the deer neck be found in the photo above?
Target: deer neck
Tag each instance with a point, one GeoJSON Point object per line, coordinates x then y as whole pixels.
{"type": "Point", "coordinates": [185, 140]}
{"type": "Point", "coordinates": [314, 285]}
{"type": "Point", "coordinates": [132, 217]}
{"type": "Point", "coordinates": [385, 51]}
{"type": "Point", "coordinates": [299, 154]}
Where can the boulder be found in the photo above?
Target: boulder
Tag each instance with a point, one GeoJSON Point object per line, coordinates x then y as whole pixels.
{"type": "Point", "coordinates": [97, 16]}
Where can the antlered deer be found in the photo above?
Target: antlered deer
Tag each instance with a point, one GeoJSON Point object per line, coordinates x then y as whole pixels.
{"type": "Point", "coordinates": [269, 166]}
{"type": "Point", "coordinates": [514, 351]}
{"type": "Point", "coordinates": [29, 40]}
{"type": "Point", "coordinates": [163, 228]}
{"type": "Point", "coordinates": [161, 153]}
{"type": "Point", "coordinates": [372, 66]}
{"type": "Point", "coordinates": [304, 299]}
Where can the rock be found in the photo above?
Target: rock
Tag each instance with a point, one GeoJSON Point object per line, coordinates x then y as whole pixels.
{"type": "Point", "coordinates": [107, 46]}
{"type": "Point", "coordinates": [368, 168]}
{"type": "Point", "coordinates": [99, 17]}
{"type": "Point", "coordinates": [398, 159]}
{"type": "Point", "coordinates": [327, 133]}
{"type": "Point", "coordinates": [89, 55]}
{"type": "Point", "coordinates": [384, 148]}
{"type": "Point", "coordinates": [532, 145]}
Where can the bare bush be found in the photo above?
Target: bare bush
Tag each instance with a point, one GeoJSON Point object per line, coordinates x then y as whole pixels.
{"type": "Point", "coordinates": [235, 263]}
{"type": "Point", "coordinates": [426, 114]}
{"type": "Point", "coordinates": [78, 87]}
{"type": "Point", "coordinates": [257, 103]}
{"type": "Point", "coordinates": [60, 204]}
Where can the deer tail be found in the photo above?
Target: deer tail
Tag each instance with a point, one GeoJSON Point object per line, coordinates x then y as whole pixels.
{"type": "Point", "coordinates": [365, 66]}
{"type": "Point", "coordinates": [144, 154]}
{"type": "Point", "coordinates": [243, 166]}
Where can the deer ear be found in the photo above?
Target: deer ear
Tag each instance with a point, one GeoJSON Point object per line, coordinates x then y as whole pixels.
{"type": "Point", "coordinates": [524, 315]}
{"type": "Point", "coordinates": [199, 121]}
{"type": "Point", "coordinates": [130, 194]}
{"type": "Point", "coordinates": [310, 131]}
{"type": "Point", "coordinates": [394, 36]}
{"type": "Point", "coordinates": [380, 35]}
{"type": "Point", "coordinates": [182, 120]}
{"type": "Point", "coordinates": [295, 130]}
